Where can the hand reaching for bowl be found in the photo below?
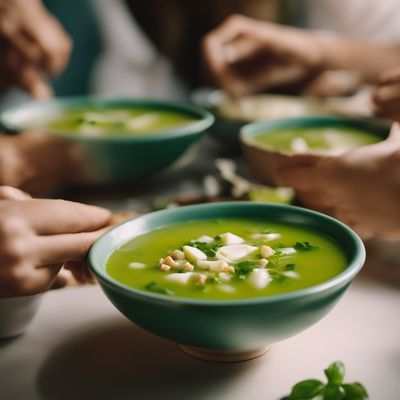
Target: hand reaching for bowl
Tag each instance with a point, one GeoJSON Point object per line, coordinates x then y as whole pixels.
{"type": "Point", "coordinates": [360, 187]}
{"type": "Point", "coordinates": [33, 45]}
{"type": "Point", "coordinates": [245, 55]}
{"type": "Point", "coordinates": [38, 236]}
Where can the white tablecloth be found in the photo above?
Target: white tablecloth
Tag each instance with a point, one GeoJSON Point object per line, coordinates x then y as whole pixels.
{"type": "Point", "coordinates": [80, 347]}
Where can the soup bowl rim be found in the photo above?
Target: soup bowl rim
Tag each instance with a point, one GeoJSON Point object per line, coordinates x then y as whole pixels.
{"type": "Point", "coordinates": [251, 130]}
{"type": "Point", "coordinates": [205, 118]}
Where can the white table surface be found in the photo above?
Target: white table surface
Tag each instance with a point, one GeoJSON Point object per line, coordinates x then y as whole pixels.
{"type": "Point", "coordinates": [80, 347]}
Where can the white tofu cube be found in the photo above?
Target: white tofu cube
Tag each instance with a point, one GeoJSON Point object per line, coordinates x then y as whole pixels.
{"type": "Point", "coordinates": [226, 288]}
{"type": "Point", "coordinates": [288, 251]}
{"type": "Point", "coordinates": [259, 278]}
{"type": "Point", "coordinates": [229, 238]}
{"type": "Point", "coordinates": [193, 254]}
{"type": "Point", "coordinates": [137, 265]}
{"type": "Point", "coordinates": [182, 278]}
{"type": "Point", "coordinates": [291, 274]}
{"type": "Point", "coordinates": [213, 266]}
{"type": "Point", "coordinates": [265, 236]}
{"type": "Point", "coordinates": [235, 252]}
{"type": "Point", "coordinates": [204, 239]}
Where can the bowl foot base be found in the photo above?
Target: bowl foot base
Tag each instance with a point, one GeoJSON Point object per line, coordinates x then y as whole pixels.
{"type": "Point", "coordinates": [223, 356]}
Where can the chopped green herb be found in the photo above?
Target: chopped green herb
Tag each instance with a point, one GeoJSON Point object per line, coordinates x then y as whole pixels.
{"type": "Point", "coordinates": [277, 276]}
{"type": "Point", "coordinates": [243, 268]}
{"type": "Point", "coordinates": [304, 246]}
{"type": "Point", "coordinates": [290, 267]}
{"type": "Point", "coordinates": [334, 389]}
{"type": "Point", "coordinates": [213, 279]}
{"type": "Point", "coordinates": [210, 249]}
{"type": "Point", "coordinates": [156, 288]}
{"type": "Point", "coordinates": [266, 231]}
{"type": "Point", "coordinates": [275, 259]}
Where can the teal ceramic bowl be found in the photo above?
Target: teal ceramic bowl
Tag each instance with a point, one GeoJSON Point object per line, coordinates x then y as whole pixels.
{"type": "Point", "coordinates": [116, 158]}
{"type": "Point", "coordinates": [238, 328]}
{"type": "Point", "coordinates": [264, 163]}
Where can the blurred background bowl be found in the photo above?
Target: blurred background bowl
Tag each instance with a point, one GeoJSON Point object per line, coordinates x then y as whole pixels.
{"type": "Point", "coordinates": [264, 163]}
{"type": "Point", "coordinates": [214, 329]}
{"type": "Point", "coordinates": [16, 314]}
{"type": "Point", "coordinates": [114, 158]}
{"type": "Point", "coordinates": [231, 114]}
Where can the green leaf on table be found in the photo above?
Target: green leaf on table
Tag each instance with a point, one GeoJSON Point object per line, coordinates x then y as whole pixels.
{"type": "Point", "coordinates": [304, 246]}
{"type": "Point", "coordinates": [334, 392]}
{"type": "Point", "coordinates": [306, 389]}
{"type": "Point", "coordinates": [335, 389]}
{"type": "Point", "coordinates": [355, 391]}
{"type": "Point", "coordinates": [335, 373]}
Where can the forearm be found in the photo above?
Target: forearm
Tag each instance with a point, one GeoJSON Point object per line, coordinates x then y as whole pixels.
{"type": "Point", "coordinates": [369, 59]}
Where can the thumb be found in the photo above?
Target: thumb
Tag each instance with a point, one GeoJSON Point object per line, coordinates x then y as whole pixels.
{"type": "Point", "coordinates": [394, 135]}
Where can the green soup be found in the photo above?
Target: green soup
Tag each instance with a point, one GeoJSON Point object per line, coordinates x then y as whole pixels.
{"type": "Point", "coordinates": [226, 259]}
{"type": "Point", "coordinates": [105, 121]}
{"type": "Point", "coordinates": [332, 140]}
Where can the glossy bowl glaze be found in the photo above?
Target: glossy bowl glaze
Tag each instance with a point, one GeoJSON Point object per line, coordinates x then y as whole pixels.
{"type": "Point", "coordinates": [227, 330]}
{"type": "Point", "coordinates": [116, 158]}
{"type": "Point", "coordinates": [264, 163]}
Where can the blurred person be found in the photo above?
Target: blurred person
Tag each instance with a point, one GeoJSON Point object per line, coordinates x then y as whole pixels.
{"type": "Point", "coordinates": [33, 45]}
{"type": "Point", "coordinates": [246, 55]}
{"type": "Point", "coordinates": [152, 48]}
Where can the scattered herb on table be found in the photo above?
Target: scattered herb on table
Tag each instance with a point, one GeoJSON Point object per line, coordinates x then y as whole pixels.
{"type": "Point", "coordinates": [334, 389]}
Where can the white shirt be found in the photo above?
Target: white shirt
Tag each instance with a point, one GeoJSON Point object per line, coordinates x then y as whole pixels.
{"type": "Point", "coordinates": [377, 21]}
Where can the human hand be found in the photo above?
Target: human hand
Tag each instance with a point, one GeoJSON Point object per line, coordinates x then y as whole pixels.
{"type": "Point", "coordinates": [387, 97]}
{"type": "Point", "coordinates": [39, 163]}
{"type": "Point", "coordinates": [245, 55]}
{"type": "Point", "coordinates": [33, 45]}
{"type": "Point", "coordinates": [38, 236]}
{"type": "Point", "coordinates": [361, 187]}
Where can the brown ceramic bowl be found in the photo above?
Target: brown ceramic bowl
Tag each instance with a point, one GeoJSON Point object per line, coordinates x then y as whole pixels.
{"type": "Point", "coordinates": [265, 162]}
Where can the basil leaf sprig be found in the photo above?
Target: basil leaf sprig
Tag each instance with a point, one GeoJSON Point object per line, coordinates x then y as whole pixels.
{"type": "Point", "coordinates": [334, 389]}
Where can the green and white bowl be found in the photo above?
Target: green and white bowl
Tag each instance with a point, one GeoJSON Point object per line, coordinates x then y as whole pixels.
{"type": "Point", "coordinates": [116, 158]}
{"type": "Point", "coordinates": [226, 330]}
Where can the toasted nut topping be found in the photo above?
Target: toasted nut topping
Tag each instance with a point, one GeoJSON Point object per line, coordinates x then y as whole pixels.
{"type": "Point", "coordinates": [267, 251]}
{"type": "Point", "coordinates": [165, 267]}
{"type": "Point", "coordinates": [177, 255]}
{"type": "Point", "coordinates": [188, 267]}
{"type": "Point", "coordinates": [263, 262]}
{"type": "Point", "coordinates": [200, 279]}
{"type": "Point", "coordinates": [169, 261]}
